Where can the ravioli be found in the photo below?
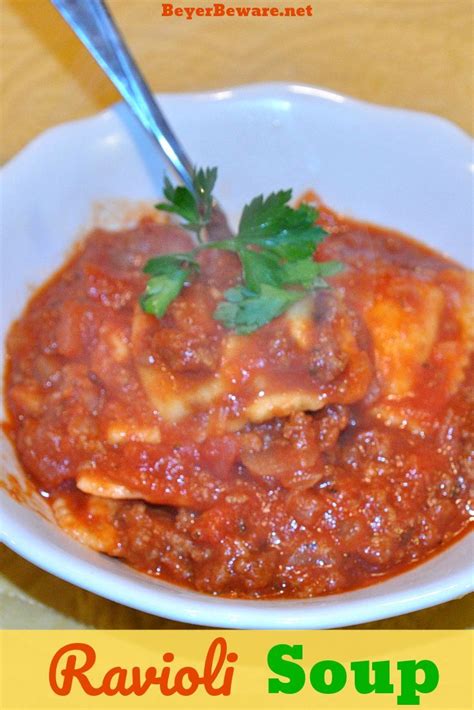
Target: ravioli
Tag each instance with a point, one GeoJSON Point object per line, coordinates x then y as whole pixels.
{"type": "Point", "coordinates": [404, 324]}
{"type": "Point", "coordinates": [300, 362]}
{"type": "Point", "coordinates": [89, 521]}
{"type": "Point", "coordinates": [423, 336]}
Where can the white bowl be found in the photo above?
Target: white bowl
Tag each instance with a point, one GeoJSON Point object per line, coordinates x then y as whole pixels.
{"type": "Point", "coordinates": [401, 169]}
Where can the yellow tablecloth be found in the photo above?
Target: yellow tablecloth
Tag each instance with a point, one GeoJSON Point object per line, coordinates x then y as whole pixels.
{"type": "Point", "coordinates": [408, 53]}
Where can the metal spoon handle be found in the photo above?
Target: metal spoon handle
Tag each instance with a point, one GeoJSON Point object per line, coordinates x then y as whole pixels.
{"type": "Point", "coordinates": [93, 24]}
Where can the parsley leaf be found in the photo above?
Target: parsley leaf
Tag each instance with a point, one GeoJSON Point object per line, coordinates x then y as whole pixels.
{"type": "Point", "coordinates": [168, 263]}
{"type": "Point", "coordinates": [273, 224]}
{"type": "Point", "coordinates": [274, 242]}
{"type": "Point", "coordinates": [260, 267]}
{"type": "Point", "coordinates": [294, 244]}
{"type": "Point", "coordinates": [168, 276]}
{"type": "Point", "coordinates": [161, 291]}
{"type": "Point", "coordinates": [180, 201]}
{"type": "Point", "coordinates": [245, 311]}
{"type": "Point", "coordinates": [263, 217]}
{"type": "Point", "coordinates": [194, 207]}
{"type": "Point", "coordinates": [204, 182]}
{"type": "Point", "coordinates": [309, 273]}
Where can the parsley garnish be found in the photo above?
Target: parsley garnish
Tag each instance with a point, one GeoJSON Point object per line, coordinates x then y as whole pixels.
{"type": "Point", "coordinates": [168, 276]}
{"type": "Point", "coordinates": [275, 244]}
{"type": "Point", "coordinates": [194, 207]}
{"type": "Point", "coordinates": [245, 311]}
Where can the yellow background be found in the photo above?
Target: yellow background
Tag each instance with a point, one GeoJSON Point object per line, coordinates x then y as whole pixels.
{"type": "Point", "coordinates": [408, 53]}
{"type": "Point", "coordinates": [25, 659]}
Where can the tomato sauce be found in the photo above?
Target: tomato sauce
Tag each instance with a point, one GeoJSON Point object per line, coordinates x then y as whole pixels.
{"type": "Point", "coordinates": [325, 451]}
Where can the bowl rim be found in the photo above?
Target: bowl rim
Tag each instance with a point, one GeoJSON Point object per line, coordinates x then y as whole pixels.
{"type": "Point", "coordinates": [203, 609]}
{"type": "Point", "coordinates": [250, 89]}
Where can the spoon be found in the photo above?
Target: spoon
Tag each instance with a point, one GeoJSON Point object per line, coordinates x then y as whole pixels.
{"type": "Point", "coordinates": [93, 24]}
